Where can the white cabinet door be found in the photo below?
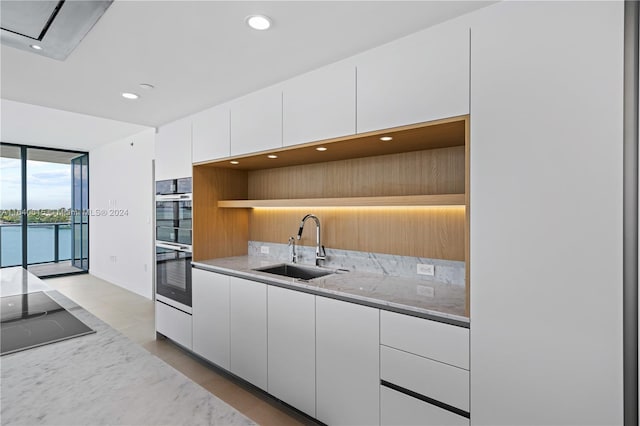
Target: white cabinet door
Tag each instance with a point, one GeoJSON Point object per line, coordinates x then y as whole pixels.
{"type": "Point", "coordinates": [173, 150]}
{"type": "Point", "coordinates": [292, 348]}
{"type": "Point", "coordinates": [248, 330]}
{"type": "Point", "coordinates": [256, 121]}
{"type": "Point", "coordinates": [398, 409]}
{"type": "Point", "coordinates": [422, 77]}
{"type": "Point", "coordinates": [347, 363]}
{"type": "Point", "coordinates": [211, 316]}
{"type": "Point", "coordinates": [211, 134]}
{"type": "Point", "coordinates": [546, 143]}
{"type": "Point", "coordinates": [174, 324]}
{"type": "Point", "coordinates": [320, 104]}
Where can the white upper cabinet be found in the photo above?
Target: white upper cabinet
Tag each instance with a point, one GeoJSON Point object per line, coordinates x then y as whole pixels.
{"type": "Point", "coordinates": [211, 134]}
{"type": "Point", "coordinates": [320, 104]}
{"type": "Point", "coordinates": [173, 150]}
{"type": "Point", "coordinates": [418, 78]}
{"type": "Point", "coordinates": [256, 121]}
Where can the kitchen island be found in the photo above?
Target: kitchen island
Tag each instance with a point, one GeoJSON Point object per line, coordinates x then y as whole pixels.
{"type": "Point", "coordinates": [100, 378]}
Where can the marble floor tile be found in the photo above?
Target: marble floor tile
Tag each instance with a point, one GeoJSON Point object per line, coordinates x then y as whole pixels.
{"type": "Point", "coordinates": [133, 316]}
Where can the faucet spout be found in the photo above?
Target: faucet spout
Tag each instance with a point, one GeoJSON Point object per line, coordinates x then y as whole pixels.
{"type": "Point", "coordinates": [320, 252]}
{"type": "Point", "coordinates": [292, 244]}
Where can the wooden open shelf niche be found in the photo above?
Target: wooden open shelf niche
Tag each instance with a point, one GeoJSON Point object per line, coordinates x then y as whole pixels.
{"type": "Point", "coordinates": [408, 196]}
{"type": "Point", "coordinates": [406, 200]}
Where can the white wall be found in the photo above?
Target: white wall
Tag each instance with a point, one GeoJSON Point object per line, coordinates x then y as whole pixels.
{"type": "Point", "coordinates": [546, 214]}
{"type": "Point", "coordinates": [120, 177]}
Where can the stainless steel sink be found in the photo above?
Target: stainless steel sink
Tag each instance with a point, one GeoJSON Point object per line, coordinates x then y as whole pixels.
{"type": "Point", "coordinates": [295, 271]}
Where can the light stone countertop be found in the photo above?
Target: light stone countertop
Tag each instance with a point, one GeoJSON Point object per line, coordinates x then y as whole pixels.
{"type": "Point", "coordinates": [100, 379]}
{"type": "Point", "coordinates": [382, 291]}
{"type": "Point", "coordinates": [16, 280]}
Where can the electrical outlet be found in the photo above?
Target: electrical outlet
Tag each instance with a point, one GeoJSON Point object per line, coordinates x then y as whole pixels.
{"type": "Point", "coordinates": [426, 269]}
{"type": "Point", "coordinates": [264, 249]}
{"type": "Point", "coordinates": [425, 291]}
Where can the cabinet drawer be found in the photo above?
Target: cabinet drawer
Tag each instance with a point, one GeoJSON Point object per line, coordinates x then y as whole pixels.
{"type": "Point", "coordinates": [433, 379]}
{"type": "Point", "coordinates": [399, 409]}
{"type": "Point", "coordinates": [430, 339]}
{"type": "Point", "coordinates": [174, 324]}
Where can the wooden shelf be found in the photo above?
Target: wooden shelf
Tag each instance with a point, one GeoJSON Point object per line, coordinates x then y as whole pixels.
{"type": "Point", "coordinates": [404, 200]}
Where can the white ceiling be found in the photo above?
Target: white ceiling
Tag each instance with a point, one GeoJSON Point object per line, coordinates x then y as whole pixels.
{"type": "Point", "coordinates": [199, 54]}
{"type": "Point", "coordinates": [28, 124]}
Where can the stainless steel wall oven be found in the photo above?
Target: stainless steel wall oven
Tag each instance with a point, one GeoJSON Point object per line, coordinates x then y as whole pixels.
{"type": "Point", "coordinates": [173, 242]}
{"type": "Point", "coordinates": [173, 273]}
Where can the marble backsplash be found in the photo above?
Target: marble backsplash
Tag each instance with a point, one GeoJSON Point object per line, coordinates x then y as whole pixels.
{"type": "Point", "coordinates": [446, 271]}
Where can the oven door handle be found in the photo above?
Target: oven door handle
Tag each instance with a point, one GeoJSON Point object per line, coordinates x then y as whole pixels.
{"type": "Point", "coordinates": [174, 197]}
{"type": "Point", "coordinates": [179, 247]}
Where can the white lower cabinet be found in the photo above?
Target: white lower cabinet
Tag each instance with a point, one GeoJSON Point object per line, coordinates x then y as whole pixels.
{"type": "Point", "coordinates": [292, 348]}
{"type": "Point", "coordinates": [248, 330]}
{"type": "Point", "coordinates": [211, 316]}
{"type": "Point", "coordinates": [439, 381]}
{"type": "Point", "coordinates": [347, 363]}
{"type": "Point", "coordinates": [174, 324]}
{"type": "Point", "coordinates": [430, 339]}
{"type": "Point", "coordinates": [424, 372]}
{"type": "Point", "coordinates": [398, 409]}
{"type": "Point", "coordinates": [327, 357]}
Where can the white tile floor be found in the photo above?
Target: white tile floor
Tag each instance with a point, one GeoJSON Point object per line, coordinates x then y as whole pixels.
{"type": "Point", "coordinates": [133, 316]}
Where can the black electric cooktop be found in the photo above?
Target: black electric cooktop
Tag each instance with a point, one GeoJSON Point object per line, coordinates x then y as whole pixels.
{"type": "Point", "coordinates": [35, 319]}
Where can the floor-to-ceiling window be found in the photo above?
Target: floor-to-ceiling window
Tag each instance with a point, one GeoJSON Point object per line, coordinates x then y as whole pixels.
{"type": "Point", "coordinates": [80, 203]}
{"type": "Point", "coordinates": [44, 207]}
{"type": "Point", "coordinates": [10, 206]}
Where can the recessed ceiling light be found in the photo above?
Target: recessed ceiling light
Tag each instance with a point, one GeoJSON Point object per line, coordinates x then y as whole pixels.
{"type": "Point", "coordinates": [128, 95]}
{"type": "Point", "coordinates": [258, 22]}
{"type": "Point", "coordinates": [234, 162]}
{"type": "Point", "coordinates": [321, 148]}
{"type": "Point", "coordinates": [386, 138]}
{"type": "Point", "coordinates": [35, 47]}
{"type": "Point", "coordinates": [272, 156]}
{"type": "Point", "coordinates": [146, 86]}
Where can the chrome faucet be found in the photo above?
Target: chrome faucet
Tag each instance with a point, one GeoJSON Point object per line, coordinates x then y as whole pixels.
{"type": "Point", "coordinates": [292, 244]}
{"type": "Point", "coordinates": [320, 253]}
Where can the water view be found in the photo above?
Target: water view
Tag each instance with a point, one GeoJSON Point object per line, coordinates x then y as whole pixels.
{"type": "Point", "coordinates": [40, 240]}
{"type": "Point", "coordinates": [39, 187]}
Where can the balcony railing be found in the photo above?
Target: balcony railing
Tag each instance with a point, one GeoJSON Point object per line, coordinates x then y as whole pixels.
{"type": "Point", "coordinates": [46, 243]}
